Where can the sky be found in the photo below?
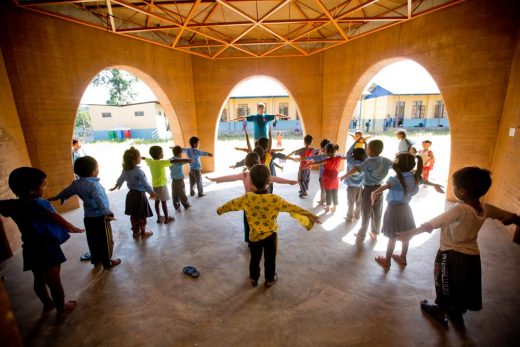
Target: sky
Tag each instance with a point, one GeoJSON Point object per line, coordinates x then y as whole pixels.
{"type": "Point", "coordinates": [404, 77]}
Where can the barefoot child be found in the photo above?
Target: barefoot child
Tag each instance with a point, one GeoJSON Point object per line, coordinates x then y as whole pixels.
{"type": "Point", "coordinates": [398, 215]}
{"type": "Point", "coordinates": [304, 172]}
{"type": "Point", "coordinates": [262, 210]}
{"type": "Point", "coordinates": [43, 230]}
{"type": "Point", "coordinates": [374, 168]}
{"type": "Point", "coordinates": [316, 158]}
{"type": "Point", "coordinates": [159, 181]}
{"type": "Point", "coordinates": [194, 153]}
{"type": "Point", "coordinates": [329, 178]}
{"type": "Point", "coordinates": [457, 271]}
{"type": "Point", "coordinates": [177, 176]}
{"type": "Point", "coordinates": [428, 159]}
{"type": "Point", "coordinates": [136, 204]}
{"type": "Point", "coordinates": [97, 211]}
{"type": "Point", "coordinates": [251, 160]}
{"type": "Point", "coordinates": [354, 184]}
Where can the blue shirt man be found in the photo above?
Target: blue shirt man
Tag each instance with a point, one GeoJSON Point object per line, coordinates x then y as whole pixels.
{"type": "Point", "coordinates": [261, 121]}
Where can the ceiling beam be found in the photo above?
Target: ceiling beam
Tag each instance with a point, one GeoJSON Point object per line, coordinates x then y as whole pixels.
{"type": "Point", "coordinates": [186, 22]}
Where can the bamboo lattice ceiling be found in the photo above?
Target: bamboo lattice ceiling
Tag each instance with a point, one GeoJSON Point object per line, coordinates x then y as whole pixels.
{"type": "Point", "coordinates": [240, 28]}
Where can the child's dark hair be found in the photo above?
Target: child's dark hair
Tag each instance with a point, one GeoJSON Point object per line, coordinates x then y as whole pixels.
{"type": "Point", "coordinates": [331, 148]}
{"type": "Point", "coordinates": [130, 158]}
{"type": "Point", "coordinates": [177, 151]}
{"type": "Point", "coordinates": [194, 140]}
{"type": "Point", "coordinates": [75, 141]}
{"type": "Point", "coordinates": [474, 180]}
{"type": "Point", "coordinates": [251, 160]}
{"type": "Point", "coordinates": [263, 142]}
{"type": "Point", "coordinates": [359, 154]}
{"type": "Point", "coordinates": [260, 151]}
{"type": "Point", "coordinates": [25, 180]}
{"type": "Point", "coordinates": [427, 141]}
{"type": "Point", "coordinates": [376, 146]}
{"type": "Point", "coordinates": [324, 143]}
{"type": "Point", "coordinates": [84, 166]}
{"type": "Point", "coordinates": [260, 105]}
{"type": "Point", "coordinates": [402, 133]}
{"type": "Point", "coordinates": [156, 152]}
{"type": "Point", "coordinates": [405, 162]}
{"type": "Point", "coordinates": [358, 132]}
{"type": "Point", "coordinates": [307, 139]}
{"type": "Point", "coordinates": [260, 177]}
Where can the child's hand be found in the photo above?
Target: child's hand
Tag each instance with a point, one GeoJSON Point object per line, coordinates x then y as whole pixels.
{"type": "Point", "coordinates": [209, 178]}
{"type": "Point", "coordinates": [109, 218]}
{"type": "Point", "coordinates": [373, 197]}
{"type": "Point", "coordinates": [210, 154]}
{"type": "Point", "coordinates": [515, 219]}
{"type": "Point", "coordinates": [281, 168]}
{"type": "Point", "coordinates": [342, 178]}
{"type": "Point", "coordinates": [232, 167]}
{"type": "Point", "coordinates": [153, 195]}
{"type": "Point", "coordinates": [314, 218]}
{"type": "Point", "coordinates": [438, 188]}
{"type": "Point", "coordinates": [112, 189]}
{"type": "Point", "coordinates": [75, 230]}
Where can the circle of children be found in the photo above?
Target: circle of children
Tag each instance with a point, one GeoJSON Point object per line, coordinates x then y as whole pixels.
{"type": "Point", "coordinates": [457, 263]}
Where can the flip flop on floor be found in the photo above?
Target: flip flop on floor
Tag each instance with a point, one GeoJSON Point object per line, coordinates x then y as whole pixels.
{"type": "Point", "coordinates": [191, 271]}
{"type": "Point", "coordinates": [169, 220]}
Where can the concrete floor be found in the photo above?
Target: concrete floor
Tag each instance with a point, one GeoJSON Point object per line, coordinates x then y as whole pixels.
{"type": "Point", "coordinates": [330, 291]}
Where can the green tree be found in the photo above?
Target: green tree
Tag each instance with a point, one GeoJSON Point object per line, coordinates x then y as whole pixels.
{"type": "Point", "coordinates": [120, 85]}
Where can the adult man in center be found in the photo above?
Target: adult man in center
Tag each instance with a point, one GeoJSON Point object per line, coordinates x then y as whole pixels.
{"type": "Point", "coordinates": [261, 121]}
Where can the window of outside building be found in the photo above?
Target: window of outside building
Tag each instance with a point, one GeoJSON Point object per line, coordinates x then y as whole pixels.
{"type": "Point", "coordinates": [283, 108]}
{"type": "Point", "coordinates": [417, 110]}
{"type": "Point", "coordinates": [139, 113]}
{"type": "Point", "coordinates": [242, 110]}
{"type": "Point", "coordinates": [159, 113]}
{"type": "Point", "coordinates": [106, 114]}
{"type": "Point", "coordinates": [439, 110]}
{"type": "Point", "coordinates": [399, 109]}
{"type": "Point", "coordinates": [223, 116]}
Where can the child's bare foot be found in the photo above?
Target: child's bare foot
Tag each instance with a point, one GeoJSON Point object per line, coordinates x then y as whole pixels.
{"type": "Point", "coordinates": [67, 308]}
{"type": "Point", "coordinates": [113, 262]}
{"type": "Point", "coordinates": [136, 235]}
{"type": "Point", "coordinates": [160, 220]}
{"type": "Point", "coordinates": [333, 209]}
{"type": "Point", "coordinates": [327, 209]}
{"type": "Point", "coordinates": [146, 234]}
{"type": "Point", "coordinates": [372, 235]}
{"type": "Point", "coordinates": [48, 308]}
{"type": "Point", "coordinates": [399, 260]}
{"type": "Point", "coordinates": [169, 220]}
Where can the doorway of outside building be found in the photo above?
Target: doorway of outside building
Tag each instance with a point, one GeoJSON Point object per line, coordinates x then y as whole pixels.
{"type": "Point", "coordinates": [119, 110]}
{"type": "Point", "coordinates": [403, 96]}
{"type": "Point", "coordinates": [243, 101]}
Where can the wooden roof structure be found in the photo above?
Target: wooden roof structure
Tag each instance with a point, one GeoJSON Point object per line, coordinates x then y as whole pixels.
{"type": "Point", "coordinates": [224, 29]}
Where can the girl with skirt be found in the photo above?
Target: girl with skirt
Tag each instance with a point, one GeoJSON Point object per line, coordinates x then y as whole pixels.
{"type": "Point", "coordinates": [398, 216]}
{"type": "Point", "coordinates": [137, 206]}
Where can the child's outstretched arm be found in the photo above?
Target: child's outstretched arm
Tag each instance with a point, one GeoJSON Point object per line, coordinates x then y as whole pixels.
{"type": "Point", "coordinates": [375, 193]}
{"type": "Point", "coordinates": [242, 149]}
{"type": "Point", "coordinates": [232, 205]}
{"type": "Point", "coordinates": [286, 206]}
{"type": "Point", "coordinates": [438, 187]}
{"type": "Point", "coordinates": [269, 145]}
{"type": "Point", "coordinates": [407, 235]}
{"type": "Point", "coordinates": [119, 182]}
{"type": "Point", "coordinates": [229, 178]}
{"type": "Point", "coordinates": [280, 180]}
{"type": "Point", "coordinates": [350, 173]}
{"type": "Point", "coordinates": [181, 160]}
{"type": "Point", "coordinates": [63, 195]}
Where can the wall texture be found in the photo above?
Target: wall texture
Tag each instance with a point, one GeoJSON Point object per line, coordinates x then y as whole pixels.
{"type": "Point", "coordinates": [12, 148]}
{"type": "Point", "coordinates": [49, 63]}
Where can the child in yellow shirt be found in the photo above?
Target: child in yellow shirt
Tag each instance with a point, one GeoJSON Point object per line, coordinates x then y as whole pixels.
{"type": "Point", "coordinates": [262, 210]}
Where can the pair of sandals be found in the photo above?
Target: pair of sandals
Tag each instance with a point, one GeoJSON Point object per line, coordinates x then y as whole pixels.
{"type": "Point", "coordinates": [397, 258]}
{"type": "Point", "coordinates": [191, 271]}
{"type": "Point", "coordinates": [267, 284]}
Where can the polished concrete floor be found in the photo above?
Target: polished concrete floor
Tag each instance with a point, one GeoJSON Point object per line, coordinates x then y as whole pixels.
{"type": "Point", "coordinates": [330, 291]}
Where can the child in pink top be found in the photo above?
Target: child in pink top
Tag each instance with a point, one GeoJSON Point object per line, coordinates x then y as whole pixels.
{"type": "Point", "coordinates": [251, 160]}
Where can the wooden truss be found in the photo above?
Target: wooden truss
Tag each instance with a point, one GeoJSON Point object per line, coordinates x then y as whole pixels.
{"type": "Point", "coordinates": [239, 28]}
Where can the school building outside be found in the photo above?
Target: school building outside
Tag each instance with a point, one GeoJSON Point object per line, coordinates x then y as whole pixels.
{"type": "Point", "coordinates": [145, 120]}
{"type": "Point", "coordinates": [391, 109]}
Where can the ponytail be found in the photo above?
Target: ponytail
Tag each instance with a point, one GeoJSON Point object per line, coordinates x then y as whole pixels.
{"type": "Point", "coordinates": [400, 177]}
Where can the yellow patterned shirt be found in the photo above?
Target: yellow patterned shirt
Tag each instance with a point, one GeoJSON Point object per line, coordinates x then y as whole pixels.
{"type": "Point", "coordinates": [262, 210]}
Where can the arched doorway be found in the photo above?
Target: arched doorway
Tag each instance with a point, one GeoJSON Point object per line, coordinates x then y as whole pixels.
{"type": "Point", "coordinates": [400, 96]}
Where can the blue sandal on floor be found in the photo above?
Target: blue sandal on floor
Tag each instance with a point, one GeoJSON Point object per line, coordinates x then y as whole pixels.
{"type": "Point", "coordinates": [191, 271]}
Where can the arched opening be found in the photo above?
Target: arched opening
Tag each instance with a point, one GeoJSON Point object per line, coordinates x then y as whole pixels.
{"type": "Point", "coordinates": [109, 125]}
{"type": "Point", "coordinates": [395, 96]}
{"type": "Point", "coordinates": [242, 101]}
